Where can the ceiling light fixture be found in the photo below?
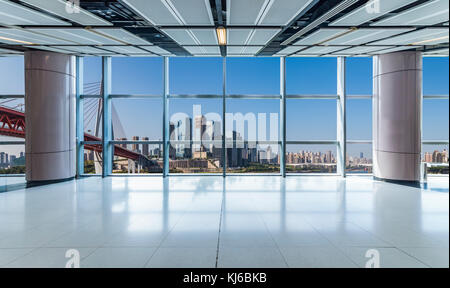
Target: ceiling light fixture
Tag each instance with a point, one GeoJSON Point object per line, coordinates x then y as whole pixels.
{"type": "Point", "coordinates": [15, 40]}
{"type": "Point", "coordinates": [221, 35]}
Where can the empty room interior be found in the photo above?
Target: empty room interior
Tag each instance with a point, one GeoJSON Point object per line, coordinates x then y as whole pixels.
{"type": "Point", "coordinates": [224, 134]}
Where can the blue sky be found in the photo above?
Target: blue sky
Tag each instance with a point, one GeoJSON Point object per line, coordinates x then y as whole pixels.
{"type": "Point", "coordinates": [306, 119]}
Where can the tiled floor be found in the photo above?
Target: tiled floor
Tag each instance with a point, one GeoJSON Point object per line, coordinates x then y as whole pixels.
{"type": "Point", "coordinates": [307, 221]}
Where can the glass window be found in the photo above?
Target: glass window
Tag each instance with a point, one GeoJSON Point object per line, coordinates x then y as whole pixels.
{"type": "Point", "coordinates": [303, 75]}
{"type": "Point", "coordinates": [311, 158]}
{"type": "Point", "coordinates": [189, 75]}
{"type": "Point", "coordinates": [92, 73]}
{"type": "Point", "coordinates": [247, 158]}
{"type": "Point", "coordinates": [92, 118]}
{"type": "Point", "coordinates": [435, 119]}
{"type": "Point", "coordinates": [435, 76]}
{"type": "Point", "coordinates": [12, 159]}
{"type": "Point", "coordinates": [137, 75]}
{"type": "Point", "coordinates": [195, 136]}
{"type": "Point", "coordinates": [253, 76]}
{"type": "Point", "coordinates": [359, 119]}
{"type": "Point", "coordinates": [12, 75]}
{"type": "Point", "coordinates": [359, 76]}
{"type": "Point", "coordinates": [437, 158]}
{"type": "Point", "coordinates": [138, 158]}
{"type": "Point", "coordinates": [137, 119]}
{"type": "Point", "coordinates": [93, 159]}
{"type": "Point", "coordinates": [311, 119]}
{"type": "Point", "coordinates": [359, 158]}
{"type": "Point", "coordinates": [252, 135]}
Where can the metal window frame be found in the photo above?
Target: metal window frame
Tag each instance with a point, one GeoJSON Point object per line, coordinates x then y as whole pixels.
{"type": "Point", "coordinates": [340, 96]}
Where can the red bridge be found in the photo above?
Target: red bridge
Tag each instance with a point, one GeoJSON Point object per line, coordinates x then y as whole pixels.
{"type": "Point", "coordinates": [12, 124]}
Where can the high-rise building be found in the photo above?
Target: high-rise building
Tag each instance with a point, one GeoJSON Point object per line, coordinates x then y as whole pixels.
{"type": "Point", "coordinates": [145, 148]}
{"type": "Point", "coordinates": [135, 147]}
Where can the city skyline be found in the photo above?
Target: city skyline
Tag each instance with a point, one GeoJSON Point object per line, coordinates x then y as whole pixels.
{"type": "Point", "coordinates": [314, 119]}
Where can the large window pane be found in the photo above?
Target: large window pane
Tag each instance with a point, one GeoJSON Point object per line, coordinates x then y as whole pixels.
{"type": "Point", "coordinates": [92, 72]}
{"type": "Point", "coordinates": [437, 158]}
{"type": "Point", "coordinates": [311, 76]}
{"type": "Point", "coordinates": [189, 75]}
{"type": "Point", "coordinates": [359, 119]}
{"type": "Point", "coordinates": [435, 76]}
{"type": "Point", "coordinates": [252, 135]}
{"type": "Point", "coordinates": [311, 119]}
{"type": "Point", "coordinates": [12, 75]}
{"type": "Point", "coordinates": [92, 118]}
{"type": "Point", "coordinates": [359, 158]}
{"type": "Point", "coordinates": [247, 158]}
{"type": "Point", "coordinates": [93, 159]}
{"type": "Point", "coordinates": [195, 135]}
{"type": "Point", "coordinates": [253, 76]}
{"type": "Point", "coordinates": [359, 76]}
{"type": "Point", "coordinates": [143, 159]}
{"type": "Point", "coordinates": [435, 119]}
{"type": "Point", "coordinates": [136, 75]}
{"type": "Point", "coordinates": [12, 159]}
{"type": "Point", "coordinates": [137, 119]}
{"type": "Point", "coordinates": [310, 158]}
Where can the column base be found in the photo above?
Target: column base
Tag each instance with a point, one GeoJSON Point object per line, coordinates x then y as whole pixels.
{"type": "Point", "coordinates": [400, 182]}
{"type": "Point", "coordinates": [47, 182]}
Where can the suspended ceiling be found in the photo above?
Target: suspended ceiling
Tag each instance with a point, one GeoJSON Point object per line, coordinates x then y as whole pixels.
{"type": "Point", "coordinates": [295, 28]}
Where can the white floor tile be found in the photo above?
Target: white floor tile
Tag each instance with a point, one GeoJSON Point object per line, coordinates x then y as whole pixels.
{"type": "Point", "coordinates": [250, 258]}
{"type": "Point", "coordinates": [48, 258]}
{"type": "Point", "coordinates": [9, 255]}
{"type": "Point", "coordinates": [118, 258]}
{"type": "Point", "coordinates": [183, 258]}
{"type": "Point", "coordinates": [316, 257]}
{"type": "Point", "coordinates": [389, 258]}
{"type": "Point", "coordinates": [434, 257]}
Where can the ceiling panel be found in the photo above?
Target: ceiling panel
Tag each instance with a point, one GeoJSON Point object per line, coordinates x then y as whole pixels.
{"type": "Point", "coordinates": [124, 49]}
{"type": "Point", "coordinates": [262, 36]}
{"type": "Point", "coordinates": [203, 50]}
{"type": "Point", "coordinates": [84, 49]}
{"type": "Point", "coordinates": [173, 12]}
{"type": "Point", "coordinates": [438, 52]}
{"type": "Point", "coordinates": [322, 49]}
{"type": "Point", "coordinates": [181, 36]}
{"type": "Point", "coordinates": [78, 35]}
{"type": "Point", "coordinates": [244, 12]}
{"type": "Point", "coordinates": [321, 36]}
{"type": "Point", "coordinates": [428, 13]}
{"type": "Point", "coordinates": [264, 12]}
{"type": "Point", "coordinates": [156, 50]}
{"type": "Point", "coordinates": [122, 35]}
{"type": "Point", "coordinates": [395, 49]}
{"type": "Point", "coordinates": [233, 50]}
{"type": "Point", "coordinates": [192, 36]}
{"type": "Point", "coordinates": [237, 36]}
{"type": "Point", "coordinates": [366, 35]}
{"type": "Point", "coordinates": [363, 14]}
{"type": "Point", "coordinates": [15, 14]}
{"type": "Point", "coordinates": [8, 51]}
{"type": "Point", "coordinates": [77, 14]}
{"type": "Point", "coordinates": [289, 50]}
{"type": "Point", "coordinates": [192, 12]}
{"type": "Point", "coordinates": [52, 49]}
{"type": "Point", "coordinates": [362, 50]}
{"type": "Point", "coordinates": [282, 12]}
{"type": "Point", "coordinates": [21, 36]}
{"type": "Point", "coordinates": [427, 36]}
